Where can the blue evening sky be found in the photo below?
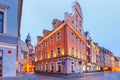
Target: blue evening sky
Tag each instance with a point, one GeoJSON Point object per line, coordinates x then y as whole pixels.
{"type": "Point", "coordinates": [101, 18]}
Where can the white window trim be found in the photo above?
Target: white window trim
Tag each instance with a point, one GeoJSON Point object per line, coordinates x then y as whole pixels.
{"type": "Point", "coordinates": [56, 36]}
{"type": "Point", "coordinates": [53, 53]}
{"type": "Point", "coordinates": [52, 40]}
{"type": "Point", "coordinates": [72, 52]}
{"type": "Point", "coordinates": [60, 50]}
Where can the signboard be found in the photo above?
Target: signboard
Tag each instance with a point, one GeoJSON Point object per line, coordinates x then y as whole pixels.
{"type": "Point", "coordinates": [80, 62]}
{"type": "Point", "coordinates": [63, 63]}
{"type": "Point", "coordinates": [9, 51]}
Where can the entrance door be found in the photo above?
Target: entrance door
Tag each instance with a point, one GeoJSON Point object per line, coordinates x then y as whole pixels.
{"type": "Point", "coordinates": [1, 55]}
{"type": "Point", "coordinates": [51, 67]}
{"type": "Point", "coordinates": [46, 67]}
{"type": "Point", "coordinates": [72, 68]}
{"type": "Point", "coordinates": [59, 68]}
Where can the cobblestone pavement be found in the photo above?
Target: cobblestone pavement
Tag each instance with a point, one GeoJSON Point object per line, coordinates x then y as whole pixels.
{"type": "Point", "coordinates": [85, 76]}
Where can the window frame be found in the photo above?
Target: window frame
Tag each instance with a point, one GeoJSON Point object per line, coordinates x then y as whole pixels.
{"type": "Point", "coordinates": [52, 53]}
{"type": "Point", "coordinates": [57, 35]}
{"type": "Point", "coordinates": [72, 52]}
{"type": "Point", "coordinates": [51, 40]}
{"type": "Point", "coordinates": [2, 20]}
{"type": "Point", "coordinates": [3, 9]}
{"type": "Point", "coordinates": [57, 50]}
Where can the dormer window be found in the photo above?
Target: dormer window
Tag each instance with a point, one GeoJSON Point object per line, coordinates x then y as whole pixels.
{"type": "Point", "coordinates": [54, 26]}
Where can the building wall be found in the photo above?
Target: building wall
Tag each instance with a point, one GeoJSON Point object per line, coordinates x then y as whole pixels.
{"type": "Point", "coordinates": [11, 13]}
{"type": "Point", "coordinates": [9, 36]}
{"type": "Point", "coordinates": [22, 58]}
{"type": "Point", "coordinates": [43, 48]}
{"type": "Point", "coordinates": [8, 59]}
{"type": "Point", "coordinates": [72, 57]}
{"type": "Point", "coordinates": [74, 41]}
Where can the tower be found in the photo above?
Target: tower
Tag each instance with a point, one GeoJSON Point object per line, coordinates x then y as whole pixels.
{"type": "Point", "coordinates": [31, 53]}
{"type": "Point", "coordinates": [28, 42]}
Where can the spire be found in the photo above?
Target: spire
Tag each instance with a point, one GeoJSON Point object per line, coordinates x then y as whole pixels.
{"type": "Point", "coordinates": [28, 40]}
{"type": "Point", "coordinates": [28, 37]}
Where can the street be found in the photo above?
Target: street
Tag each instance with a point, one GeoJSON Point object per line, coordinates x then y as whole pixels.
{"type": "Point", "coordinates": [88, 76]}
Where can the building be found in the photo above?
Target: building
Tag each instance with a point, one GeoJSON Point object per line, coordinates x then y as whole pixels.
{"type": "Point", "coordinates": [93, 54]}
{"type": "Point", "coordinates": [112, 62]}
{"type": "Point", "coordinates": [88, 49]}
{"type": "Point", "coordinates": [10, 19]}
{"type": "Point", "coordinates": [107, 59]}
{"type": "Point", "coordinates": [22, 58]}
{"type": "Point", "coordinates": [31, 54]}
{"type": "Point", "coordinates": [63, 50]}
{"type": "Point", "coordinates": [116, 63]}
{"type": "Point", "coordinates": [94, 57]}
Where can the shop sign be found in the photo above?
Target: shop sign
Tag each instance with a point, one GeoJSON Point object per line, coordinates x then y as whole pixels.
{"type": "Point", "coordinates": [80, 62]}
{"type": "Point", "coordinates": [9, 51]}
{"type": "Point", "coordinates": [63, 63]}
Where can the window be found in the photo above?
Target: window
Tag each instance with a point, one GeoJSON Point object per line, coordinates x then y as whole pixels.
{"type": "Point", "coordinates": [76, 27]}
{"type": "Point", "coordinates": [72, 51]}
{"type": "Point", "coordinates": [46, 43]}
{"type": "Point", "coordinates": [80, 31]}
{"type": "Point", "coordinates": [43, 56]}
{"type": "Point", "coordinates": [76, 18]}
{"type": "Point", "coordinates": [42, 45]}
{"type": "Point", "coordinates": [80, 23]}
{"type": "Point", "coordinates": [54, 26]}
{"type": "Point", "coordinates": [1, 22]}
{"type": "Point", "coordinates": [76, 39]}
{"type": "Point", "coordinates": [51, 39]}
{"type": "Point", "coordinates": [58, 51]}
{"type": "Point", "coordinates": [72, 35]}
{"type": "Point", "coordinates": [46, 55]}
{"type": "Point", "coordinates": [80, 55]}
{"type": "Point", "coordinates": [58, 36]}
{"type": "Point", "coordinates": [77, 53]}
{"type": "Point", "coordinates": [80, 43]}
{"type": "Point", "coordinates": [51, 53]}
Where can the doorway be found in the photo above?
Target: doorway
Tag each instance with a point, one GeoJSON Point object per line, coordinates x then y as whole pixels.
{"type": "Point", "coordinates": [59, 68]}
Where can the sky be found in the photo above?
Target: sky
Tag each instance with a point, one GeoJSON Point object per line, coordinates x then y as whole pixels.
{"type": "Point", "coordinates": [100, 17]}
